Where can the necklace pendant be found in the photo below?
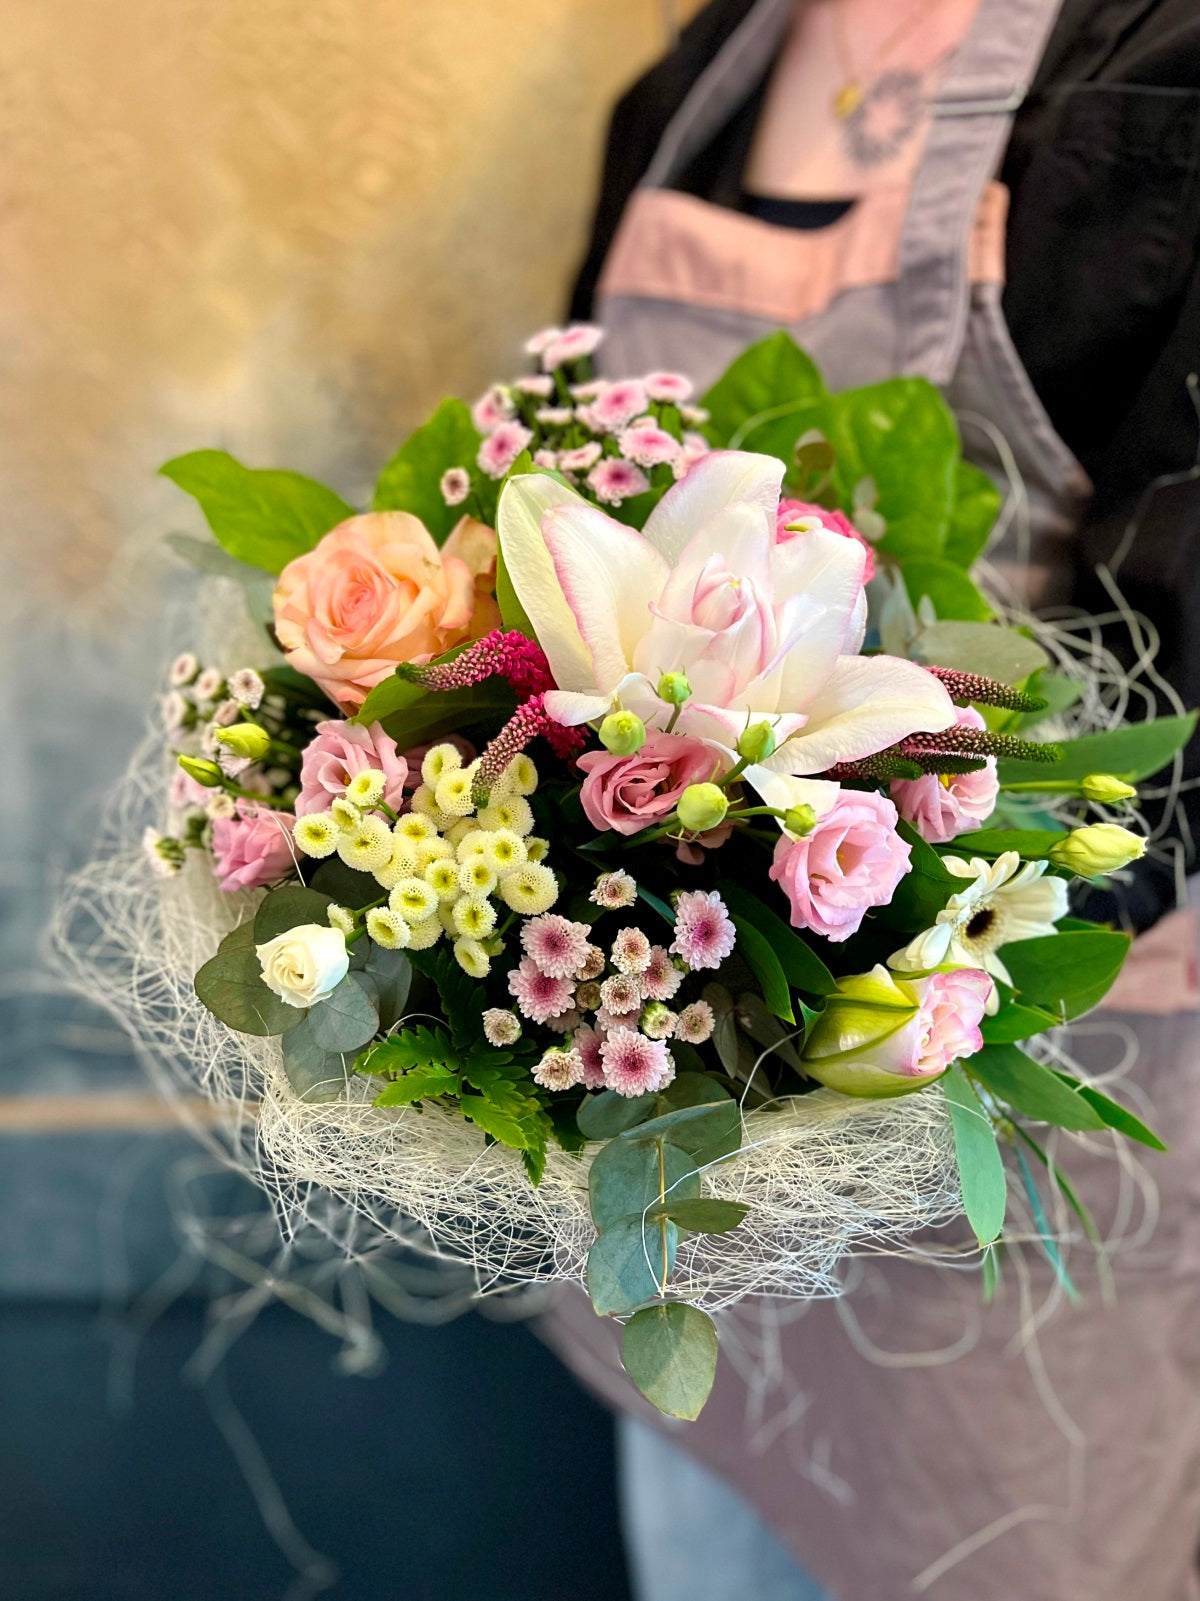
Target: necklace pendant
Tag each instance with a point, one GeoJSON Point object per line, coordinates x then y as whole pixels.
{"type": "Point", "coordinates": [847, 100]}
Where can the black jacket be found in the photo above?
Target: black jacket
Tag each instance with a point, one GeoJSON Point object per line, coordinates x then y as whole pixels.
{"type": "Point", "coordinates": [1102, 294]}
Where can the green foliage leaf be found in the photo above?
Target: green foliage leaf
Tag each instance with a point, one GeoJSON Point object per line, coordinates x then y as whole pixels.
{"type": "Point", "coordinates": [973, 515]}
{"type": "Point", "coordinates": [408, 1048]}
{"type": "Point", "coordinates": [625, 1263]}
{"type": "Point", "coordinates": [1136, 751]}
{"type": "Point", "coordinates": [313, 1072]}
{"type": "Point", "coordinates": [759, 955]}
{"type": "Point", "coordinates": [391, 696]}
{"type": "Point", "coordinates": [670, 1353]}
{"type": "Point", "coordinates": [625, 1177]}
{"type": "Point", "coordinates": [520, 1122]}
{"type": "Point", "coordinates": [491, 704]}
{"type": "Point", "coordinates": [603, 1116]}
{"type": "Point", "coordinates": [1066, 974]}
{"type": "Point", "coordinates": [411, 480]}
{"type": "Point", "coordinates": [1030, 1088]}
{"type": "Point", "coordinates": [771, 381]}
{"type": "Point", "coordinates": [345, 885]}
{"type": "Point", "coordinates": [1114, 1115]}
{"type": "Point", "coordinates": [802, 967]}
{"type": "Point", "coordinates": [657, 903]}
{"type": "Point", "coordinates": [1016, 1023]}
{"type": "Point", "coordinates": [348, 1017]}
{"type": "Point", "coordinates": [948, 587]}
{"type": "Point", "coordinates": [288, 907]}
{"type": "Point", "coordinates": [980, 1169]}
{"type": "Point", "coordinates": [703, 1216]}
{"type": "Point", "coordinates": [1029, 843]}
{"type": "Point", "coordinates": [1059, 693]}
{"type": "Point", "coordinates": [231, 986]}
{"type": "Point", "coordinates": [707, 1132]}
{"type": "Point", "coordinates": [985, 648]}
{"type": "Point", "coordinates": [259, 515]}
{"type": "Point", "coordinates": [923, 891]}
{"type": "Point", "coordinates": [419, 1084]}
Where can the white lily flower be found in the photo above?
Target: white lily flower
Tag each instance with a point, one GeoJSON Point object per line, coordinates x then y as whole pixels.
{"type": "Point", "coordinates": [1004, 901]}
{"type": "Point", "coordinates": [761, 629]}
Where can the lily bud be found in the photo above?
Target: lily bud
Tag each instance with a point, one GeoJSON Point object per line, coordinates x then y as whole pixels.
{"type": "Point", "coordinates": [757, 742]}
{"type": "Point", "coordinates": [1099, 848]}
{"type": "Point", "coordinates": [674, 689]}
{"type": "Point", "coordinates": [1106, 790]}
{"type": "Point", "coordinates": [623, 733]}
{"type": "Point", "coordinates": [244, 739]}
{"type": "Point", "coordinates": [800, 821]}
{"type": "Point", "coordinates": [206, 773]}
{"type": "Point", "coordinates": [702, 806]}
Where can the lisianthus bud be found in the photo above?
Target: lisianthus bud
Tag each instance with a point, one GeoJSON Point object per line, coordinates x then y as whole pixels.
{"type": "Point", "coordinates": [702, 806]}
{"type": "Point", "coordinates": [674, 689]}
{"type": "Point", "coordinates": [800, 820]}
{"type": "Point", "coordinates": [1098, 848]}
{"type": "Point", "coordinates": [206, 773]}
{"type": "Point", "coordinates": [881, 1035]}
{"type": "Point", "coordinates": [622, 733]}
{"type": "Point", "coordinates": [1105, 790]}
{"type": "Point", "coordinates": [245, 739]}
{"type": "Point", "coordinates": [756, 743]}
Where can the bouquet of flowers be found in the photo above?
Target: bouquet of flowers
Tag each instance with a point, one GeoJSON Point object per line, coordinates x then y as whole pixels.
{"type": "Point", "coordinates": [636, 856]}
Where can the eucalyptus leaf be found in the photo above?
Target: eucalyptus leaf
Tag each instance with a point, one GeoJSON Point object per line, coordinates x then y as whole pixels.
{"type": "Point", "coordinates": [626, 1264]}
{"type": "Point", "coordinates": [345, 884]}
{"type": "Point", "coordinates": [603, 1116]}
{"type": "Point", "coordinates": [393, 974]}
{"type": "Point", "coordinates": [347, 1018]}
{"type": "Point", "coordinates": [411, 481]}
{"type": "Point", "coordinates": [316, 1074]}
{"type": "Point", "coordinates": [231, 986]}
{"type": "Point", "coordinates": [625, 1179]}
{"type": "Point", "coordinates": [670, 1353]}
{"type": "Point", "coordinates": [289, 907]}
{"type": "Point", "coordinates": [708, 1133]}
{"type": "Point", "coordinates": [980, 1168]}
{"type": "Point", "coordinates": [705, 1215]}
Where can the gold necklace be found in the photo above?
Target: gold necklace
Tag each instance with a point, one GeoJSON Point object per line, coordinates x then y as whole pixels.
{"type": "Point", "coordinates": [853, 90]}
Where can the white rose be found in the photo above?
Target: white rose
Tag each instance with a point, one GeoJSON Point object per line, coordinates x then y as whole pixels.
{"type": "Point", "coordinates": [305, 964]}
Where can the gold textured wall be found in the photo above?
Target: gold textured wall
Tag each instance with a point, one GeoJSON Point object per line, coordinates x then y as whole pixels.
{"type": "Point", "coordinates": [284, 226]}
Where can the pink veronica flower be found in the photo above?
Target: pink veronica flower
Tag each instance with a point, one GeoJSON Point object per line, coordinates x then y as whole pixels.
{"type": "Point", "coordinates": [502, 447]}
{"type": "Point", "coordinates": [634, 1065]}
{"type": "Point", "coordinates": [491, 409]}
{"type": "Point", "coordinates": [668, 386]}
{"type": "Point", "coordinates": [648, 445]}
{"type": "Point", "coordinates": [853, 859]}
{"type": "Point", "coordinates": [339, 753]}
{"type": "Point", "coordinates": [615, 406]}
{"type": "Point", "coordinates": [572, 344]}
{"type": "Point", "coordinates": [629, 793]}
{"type": "Point", "coordinates": [791, 511]}
{"type": "Point", "coordinates": [613, 480]}
{"type": "Point", "coordinates": [253, 848]}
{"type": "Point", "coordinates": [557, 946]}
{"type": "Point", "coordinates": [704, 932]}
{"type": "Point", "coordinates": [539, 996]}
{"type": "Point", "coordinates": [941, 809]}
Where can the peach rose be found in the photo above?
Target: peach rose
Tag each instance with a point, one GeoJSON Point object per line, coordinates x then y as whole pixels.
{"type": "Point", "coordinates": [376, 591]}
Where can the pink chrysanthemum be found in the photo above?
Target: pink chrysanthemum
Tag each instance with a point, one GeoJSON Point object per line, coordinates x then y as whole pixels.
{"type": "Point", "coordinates": [455, 485]}
{"type": "Point", "coordinates": [588, 997]}
{"type": "Point", "coordinates": [669, 386]}
{"type": "Point", "coordinates": [649, 445]}
{"type": "Point", "coordinates": [634, 1065]}
{"type": "Point", "coordinates": [694, 448]}
{"type": "Point", "coordinates": [501, 1027]}
{"type": "Point", "coordinates": [537, 342]}
{"type": "Point", "coordinates": [695, 1023]}
{"type": "Point", "coordinates": [616, 406]}
{"type": "Point", "coordinates": [614, 891]}
{"type": "Point", "coordinates": [572, 344]}
{"type": "Point", "coordinates": [631, 951]}
{"type": "Point", "coordinates": [559, 1069]}
{"type": "Point", "coordinates": [661, 978]}
{"type": "Point", "coordinates": [566, 1022]}
{"type": "Point", "coordinates": [539, 996]}
{"type": "Point", "coordinates": [579, 459]}
{"type": "Point", "coordinates": [614, 480]}
{"type": "Point", "coordinates": [502, 447]}
{"type": "Point", "coordinates": [536, 383]}
{"type": "Point", "coordinates": [556, 944]}
{"type": "Point", "coordinates": [589, 390]}
{"type": "Point", "coordinates": [621, 993]}
{"type": "Point", "coordinates": [587, 1042]}
{"type": "Point", "coordinates": [704, 932]}
{"type": "Point", "coordinates": [554, 416]}
{"type": "Point", "coordinates": [491, 409]}
{"type": "Point", "coordinates": [545, 458]}
{"type": "Point", "coordinates": [658, 1021]}
{"type": "Point", "coordinates": [592, 965]}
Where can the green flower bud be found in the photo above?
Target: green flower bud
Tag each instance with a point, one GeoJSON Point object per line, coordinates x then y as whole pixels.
{"type": "Point", "coordinates": [800, 820]}
{"type": "Point", "coordinates": [206, 773]}
{"type": "Point", "coordinates": [674, 689]}
{"type": "Point", "coordinates": [1098, 848]}
{"type": "Point", "coordinates": [864, 1041]}
{"type": "Point", "coordinates": [244, 739]}
{"type": "Point", "coordinates": [702, 806]}
{"type": "Point", "coordinates": [623, 733]}
{"type": "Point", "coordinates": [757, 742]}
{"type": "Point", "coordinates": [1105, 789]}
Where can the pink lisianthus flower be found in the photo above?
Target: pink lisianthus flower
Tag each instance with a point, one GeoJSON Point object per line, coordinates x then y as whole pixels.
{"type": "Point", "coordinates": [253, 848]}
{"type": "Point", "coordinates": [942, 808]}
{"type": "Point", "coordinates": [791, 511]}
{"type": "Point", "coordinates": [952, 1008]}
{"type": "Point", "coordinates": [339, 752]}
{"type": "Point", "coordinates": [852, 860]}
{"type": "Point", "coordinates": [502, 447]}
{"type": "Point", "coordinates": [629, 793]}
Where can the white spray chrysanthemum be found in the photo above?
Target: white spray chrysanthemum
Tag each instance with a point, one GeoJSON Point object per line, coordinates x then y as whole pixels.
{"type": "Point", "coordinates": [183, 670]}
{"type": "Point", "coordinates": [472, 958]}
{"type": "Point", "coordinates": [401, 864]}
{"type": "Point", "coordinates": [501, 1027]}
{"type": "Point", "coordinates": [366, 788]}
{"type": "Point", "coordinates": [340, 917]}
{"type": "Point", "coordinates": [367, 847]}
{"type": "Point", "coordinates": [453, 793]}
{"type": "Point", "coordinates": [439, 759]}
{"type": "Point", "coordinates": [388, 928]}
{"type": "Point", "coordinates": [474, 916]}
{"type": "Point", "coordinates": [442, 878]}
{"type": "Point", "coordinates": [345, 813]}
{"type": "Point", "coordinates": [317, 834]}
{"type": "Point", "coordinates": [413, 899]}
{"type": "Point", "coordinates": [529, 890]}
{"type": "Point", "coordinates": [520, 777]}
{"type": "Point", "coordinates": [508, 811]}
{"type": "Point", "coordinates": [247, 688]}
{"type": "Point", "coordinates": [425, 934]}
{"type": "Point", "coordinates": [536, 848]}
{"type": "Point", "coordinates": [504, 849]}
{"type": "Point", "coordinates": [412, 826]}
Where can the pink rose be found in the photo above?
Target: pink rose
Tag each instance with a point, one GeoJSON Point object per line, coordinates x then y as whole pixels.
{"type": "Point", "coordinates": [941, 809]}
{"type": "Point", "coordinates": [339, 753]}
{"type": "Point", "coordinates": [790, 510]}
{"type": "Point", "coordinates": [629, 793]}
{"type": "Point", "coordinates": [376, 591]}
{"type": "Point", "coordinates": [252, 848]}
{"type": "Point", "coordinates": [853, 859]}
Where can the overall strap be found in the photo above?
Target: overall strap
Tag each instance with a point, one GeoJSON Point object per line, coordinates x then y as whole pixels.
{"type": "Point", "coordinates": [985, 82]}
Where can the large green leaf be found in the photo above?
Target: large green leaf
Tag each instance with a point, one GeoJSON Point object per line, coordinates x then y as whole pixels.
{"type": "Point", "coordinates": [985, 648]}
{"type": "Point", "coordinates": [231, 986]}
{"type": "Point", "coordinates": [1136, 751]}
{"type": "Point", "coordinates": [670, 1353]}
{"type": "Point", "coordinates": [260, 515]}
{"type": "Point", "coordinates": [512, 614]}
{"type": "Point", "coordinates": [1029, 843]}
{"type": "Point", "coordinates": [704, 1215]}
{"type": "Point", "coordinates": [1114, 1115]}
{"type": "Point", "coordinates": [1016, 1023]}
{"type": "Point", "coordinates": [607, 1114]}
{"type": "Point", "coordinates": [951, 592]}
{"type": "Point", "coordinates": [625, 1265]}
{"type": "Point", "coordinates": [411, 481]}
{"type": "Point", "coordinates": [980, 1169]}
{"type": "Point", "coordinates": [802, 967]}
{"type": "Point", "coordinates": [759, 955]}
{"type": "Point", "coordinates": [491, 703]}
{"type": "Point", "coordinates": [288, 907]}
{"type": "Point", "coordinates": [626, 1178]}
{"type": "Point", "coordinates": [923, 891]}
{"type": "Point", "coordinates": [972, 516]}
{"type": "Point", "coordinates": [1028, 1087]}
{"type": "Point", "coordinates": [1066, 974]}
{"type": "Point", "coordinates": [706, 1131]}
{"type": "Point", "coordinates": [768, 384]}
